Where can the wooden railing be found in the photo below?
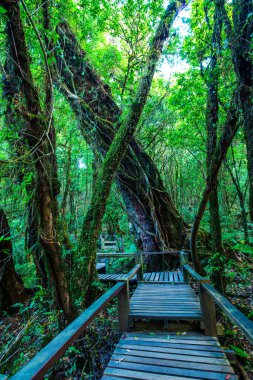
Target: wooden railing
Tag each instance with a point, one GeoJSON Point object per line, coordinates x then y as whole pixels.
{"type": "Point", "coordinates": [44, 360]}
{"type": "Point", "coordinates": [209, 296]}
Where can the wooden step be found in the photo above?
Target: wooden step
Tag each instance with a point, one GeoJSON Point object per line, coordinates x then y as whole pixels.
{"type": "Point", "coordinates": [162, 356]}
{"type": "Point", "coordinates": [165, 302]}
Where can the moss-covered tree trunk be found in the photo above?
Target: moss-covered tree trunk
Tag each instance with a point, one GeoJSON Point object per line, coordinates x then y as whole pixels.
{"type": "Point", "coordinates": [137, 178]}
{"type": "Point", "coordinates": [212, 118]}
{"type": "Point", "coordinates": [117, 149]}
{"type": "Point", "coordinates": [39, 138]}
{"type": "Point", "coordinates": [11, 286]}
{"type": "Point", "coordinates": [240, 42]}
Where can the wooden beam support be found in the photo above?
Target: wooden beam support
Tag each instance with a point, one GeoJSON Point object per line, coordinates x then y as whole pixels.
{"type": "Point", "coordinates": [184, 260]}
{"type": "Point", "coordinates": [208, 309]}
{"type": "Point", "coordinates": [139, 260]}
{"type": "Point", "coordinates": [124, 308]}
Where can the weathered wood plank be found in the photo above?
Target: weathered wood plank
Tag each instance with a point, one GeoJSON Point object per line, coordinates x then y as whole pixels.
{"type": "Point", "coordinates": [158, 350]}
{"type": "Point", "coordinates": [166, 370]}
{"type": "Point", "coordinates": [173, 354]}
{"type": "Point", "coordinates": [221, 368]}
{"type": "Point", "coordinates": [126, 374]}
{"type": "Point", "coordinates": [139, 356]}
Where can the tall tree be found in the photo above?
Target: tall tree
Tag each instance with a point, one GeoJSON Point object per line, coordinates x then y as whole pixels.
{"type": "Point", "coordinates": [106, 174]}
{"type": "Point", "coordinates": [240, 42]}
{"type": "Point", "coordinates": [40, 137]}
{"type": "Point", "coordinates": [212, 117]}
{"type": "Point", "coordinates": [138, 178]}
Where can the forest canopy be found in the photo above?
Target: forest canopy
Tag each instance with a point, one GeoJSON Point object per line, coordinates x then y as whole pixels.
{"type": "Point", "coordinates": [125, 121]}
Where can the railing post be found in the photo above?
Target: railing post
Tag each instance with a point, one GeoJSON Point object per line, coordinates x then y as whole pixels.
{"type": "Point", "coordinates": [124, 308]}
{"type": "Point", "coordinates": [139, 260]}
{"type": "Point", "coordinates": [208, 309]}
{"type": "Point", "coordinates": [184, 259]}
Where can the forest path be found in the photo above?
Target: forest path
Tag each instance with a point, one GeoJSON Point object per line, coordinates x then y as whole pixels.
{"type": "Point", "coordinates": [166, 276]}
{"type": "Point", "coordinates": [163, 356]}
{"type": "Point", "coordinates": [153, 355]}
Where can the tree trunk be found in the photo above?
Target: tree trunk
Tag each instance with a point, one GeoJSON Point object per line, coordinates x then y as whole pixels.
{"type": "Point", "coordinates": [11, 286]}
{"type": "Point", "coordinates": [106, 174]}
{"type": "Point", "coordinates": [138, 179]}
{"type": "Point", "coordinates": [240, 40]}
{"type": "Point", "coordinates": [230, 129]}
{"type": "Point", "coordinates": [241, 198]}
{"type": "Point", "coordinates": [212, 117]}
{"type": "Point", "coordinates": [39, 136]}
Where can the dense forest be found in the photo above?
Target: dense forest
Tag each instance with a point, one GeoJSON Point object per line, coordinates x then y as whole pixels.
{"type": "Point", "coordinates": [128, 121]}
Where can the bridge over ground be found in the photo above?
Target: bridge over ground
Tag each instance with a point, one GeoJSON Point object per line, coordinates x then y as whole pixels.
{"type": "Point", "coordinates": [153, 355]}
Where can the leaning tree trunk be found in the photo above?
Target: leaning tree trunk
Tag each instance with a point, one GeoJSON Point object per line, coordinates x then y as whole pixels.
{"type": "Point", "coordinates": [11, 286]}
{"type": "Point", "coordinates": [106, 174]}
{"type": "Point", "coordinates": [230, 129]}
{"type": "Point", "coordinates": [39, 137]}
{"type": "Point", "coordinates": [138, 179]}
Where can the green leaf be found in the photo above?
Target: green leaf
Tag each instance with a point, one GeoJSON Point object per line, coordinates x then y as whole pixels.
{"type": "Point", "coordinates": [239, 352]}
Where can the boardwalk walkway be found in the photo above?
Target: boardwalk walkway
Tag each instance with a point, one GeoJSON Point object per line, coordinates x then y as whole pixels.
{"type": "Point", "coordinates": [165, 302]}
{"type": "Point", "coordinates": [153, 355]}
{"type": "Point", "coordinates": [186, 347]}
{"type": "Point", "coordinates": [163, 356]}
{"type": "Point", "coordinates": [173, 276]}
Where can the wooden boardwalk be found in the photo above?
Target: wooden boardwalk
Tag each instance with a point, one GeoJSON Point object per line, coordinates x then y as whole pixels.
{"type": "Point", "coordinates": [165, 301]}
{"type": "Point", "coordinates": [173, 276]}
{"type": "Point", "coordinates": [163, 356]}
{"type": "Point", "coordinates": [153, 355]}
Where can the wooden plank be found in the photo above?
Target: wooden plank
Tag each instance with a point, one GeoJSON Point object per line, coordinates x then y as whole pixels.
{"type": "Point", "coordinates": [209, 367]}
{"type": "Point", "coordinates": [172, 340]}
{"type": "Point", "coordinates": [166, 276]}
{"type": "Point", "coordinates": [162, 352]}
{"type": "Point", "coordinates": [183, 346]}
{"type": "Point", "coordinates": [164, 335]}
{"type": "Point", "coordinates": [166, 370]}
{"type": "Point", "coordinates": [44, 360]}
{"type": "Point", "coordinates": [181, 277]}
{"type": "Point", "coordinates": [171, 277]}
{"type": "Point", "coordinates": [179, 355]}
{"type": "Point", "coordinates": [126, 374]}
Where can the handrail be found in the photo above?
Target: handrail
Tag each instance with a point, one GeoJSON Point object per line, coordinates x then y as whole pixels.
{"type": "Point", "coordinates": [130, 254]}
{"type": "Point", "coordinates": [192, 272]}
{"type": "Point", "coordinates": [244, 324]}
{"type": "Point", "coordinates": [48, 356]}
{"type": "Point", "coordinates": [115, 254]}
{"type": "Point", "coordinates": [131, 273]}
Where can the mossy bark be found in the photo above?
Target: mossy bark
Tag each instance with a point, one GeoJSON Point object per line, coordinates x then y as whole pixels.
{"type": "Point", "coordinates": [117, 149]}
{"type": "Point", "coordinates": [39, 137]}
{"type": "Point", "coordinates": [212, 118]}
{"type": "Point", "coordinates": [138, 179]}
{"type": "Point", "coordinates": [240, 42]}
